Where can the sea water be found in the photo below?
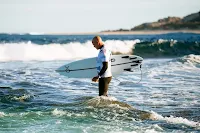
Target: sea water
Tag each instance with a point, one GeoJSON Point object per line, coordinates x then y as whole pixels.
{"type": "Point", "coordinates": [162, 96]}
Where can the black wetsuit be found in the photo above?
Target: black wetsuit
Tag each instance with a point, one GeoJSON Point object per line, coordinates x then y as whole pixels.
{"type": "Point", "coordinates": [104, 82]}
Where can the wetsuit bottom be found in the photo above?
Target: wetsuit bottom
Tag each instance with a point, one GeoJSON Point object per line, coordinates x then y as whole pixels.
{"type": "Point", "coordinates": [103, 86]}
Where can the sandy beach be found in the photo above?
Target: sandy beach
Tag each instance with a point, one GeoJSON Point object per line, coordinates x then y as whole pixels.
{"type": "Point", "coordinates": [147, 32]}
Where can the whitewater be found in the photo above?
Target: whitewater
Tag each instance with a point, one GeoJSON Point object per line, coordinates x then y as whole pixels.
{"type": "Point", "coordinates": [34, 98]}
{"type": "Point", "coordinates": [76, 50]}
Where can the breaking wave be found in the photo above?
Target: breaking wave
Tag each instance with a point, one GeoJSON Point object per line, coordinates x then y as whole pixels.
{"type": "Point", "coordinates": [29, 51]}
{"type": "Point", "coordinates": [193, 60]}
{"type": "Point", "coordinates": [166, 48]}
{"type": "Point", "coordinates": [175, 120]}
{"type": "Point", "coordinates": [28, 47]}
{"type": "Point", "coordinates": [9, 95]}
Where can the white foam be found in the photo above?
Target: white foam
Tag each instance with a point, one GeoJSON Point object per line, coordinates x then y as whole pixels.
{"type": "Point", "coordinates": [30, 51]}
{"type": "Point", "coordinates": [151, 129]}
{"type": "Point", "coordinates": [21, 98]}
{"type": "Point", "coordinates": [125, 47]}
{"type": "Point", "coordinates": [36, 33]}
{"type": "Point", "coordinates": [175, 120]}
{"type": "Point", "coordinates": [60, 112]}
{"type": "Point", "coordinates": [124, 132]}
{"type": "Point", "coordinates": [110, 102]}
{"type": "Point", "coordinates": [190, 59]}
{"type": "Point", "coordinates": [2, 114]}
{"type": "Point", "coordinates": [161, 41]}
{"type": "Point", "coordinates": [100, 101]}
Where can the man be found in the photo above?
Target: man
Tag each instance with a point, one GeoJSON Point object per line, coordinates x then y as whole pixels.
{"type": "Point", "coordinates": [103, 66]}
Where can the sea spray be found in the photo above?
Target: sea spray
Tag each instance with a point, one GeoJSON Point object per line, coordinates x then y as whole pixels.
{"type": "Point", "coordinates": [73, 50]}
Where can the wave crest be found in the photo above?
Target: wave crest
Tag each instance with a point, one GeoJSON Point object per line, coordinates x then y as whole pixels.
{"type": "Point", "coordinates": [175, 120]}
{"type": "Point", "coordinates": [8, 95]}
{"type": "Point", "coordinates": [73, 50]}
{"type": "Point", "coordinates": [166, 48]}
{"type": "Point", "coordinates": [190, 60]}
{"type": "Point", "coordinates": [194, 59]}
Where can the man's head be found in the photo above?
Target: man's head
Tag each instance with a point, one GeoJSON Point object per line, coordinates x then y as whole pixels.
{"type": "Point", "coordinates": [97, 42]}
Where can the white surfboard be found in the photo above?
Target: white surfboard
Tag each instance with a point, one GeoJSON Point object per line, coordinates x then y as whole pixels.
{"type": "Point", "coordinates": [86, 68]}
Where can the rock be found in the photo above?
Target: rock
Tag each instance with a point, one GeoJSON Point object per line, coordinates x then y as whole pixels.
{"type": "Point", "coordinates": [191, 21]}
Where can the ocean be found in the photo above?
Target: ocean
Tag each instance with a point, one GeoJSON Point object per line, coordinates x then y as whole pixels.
{"type": "Point", "coordinates": [162, 96]}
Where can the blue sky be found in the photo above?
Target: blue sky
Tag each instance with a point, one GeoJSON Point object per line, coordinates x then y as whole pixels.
{"type": "Point", "coordinates": [69, 16]}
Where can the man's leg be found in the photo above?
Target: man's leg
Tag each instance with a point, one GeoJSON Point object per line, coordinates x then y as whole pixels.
{"type": "Point", "coordinates": [103, 86]}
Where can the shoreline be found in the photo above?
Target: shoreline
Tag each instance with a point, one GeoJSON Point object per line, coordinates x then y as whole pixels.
{"type": "Point", "coordinates": [142, 32]}
{"type": "Point", "coordinates": [139, 32]}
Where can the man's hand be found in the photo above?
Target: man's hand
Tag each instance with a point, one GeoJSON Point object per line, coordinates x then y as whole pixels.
{"type": "Point", "coordinates": [95, 79]}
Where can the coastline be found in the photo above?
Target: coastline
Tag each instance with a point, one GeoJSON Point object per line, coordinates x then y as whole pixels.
{"type": "Point", "coordinates": [141, 32]}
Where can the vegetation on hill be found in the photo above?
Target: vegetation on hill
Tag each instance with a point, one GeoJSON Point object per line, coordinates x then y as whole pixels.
{"type": "Point", "coordinates": [189, 22]}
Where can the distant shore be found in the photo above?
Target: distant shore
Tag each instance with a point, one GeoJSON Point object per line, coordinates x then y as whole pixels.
{"type": "Point", "coordinates": [139, 32]}
{"type": "Point", "coordinates": [142, 32]}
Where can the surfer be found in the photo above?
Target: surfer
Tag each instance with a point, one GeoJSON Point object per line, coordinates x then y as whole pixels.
{"type": "Point", "coordinates": [103, 66]}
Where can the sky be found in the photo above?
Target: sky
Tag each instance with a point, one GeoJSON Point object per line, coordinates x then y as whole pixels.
{"type": "Point", "coordinates": [75, 16]}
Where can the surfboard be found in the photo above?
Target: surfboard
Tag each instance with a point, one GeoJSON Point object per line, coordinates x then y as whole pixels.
{"type": "Point", "coordinates": [86, 68]}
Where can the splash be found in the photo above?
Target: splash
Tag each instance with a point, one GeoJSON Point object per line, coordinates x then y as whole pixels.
{"type": "Point", "coordinates": [60, 112]}
{"type": "Point", "coordinates": [175, 120]}
{"type": "Point", "coordinates": [73, 50]}
{"type": "Point", "coordinates": [9, 94]}
{"type": "Point", "coordinates": [2, 114]}
{"type": "Point", "coordinates": [21, 98]}
{"type": "Point", "coordinates": [103, 101]}
{"type": "Point", "coordinates": [190, 59]}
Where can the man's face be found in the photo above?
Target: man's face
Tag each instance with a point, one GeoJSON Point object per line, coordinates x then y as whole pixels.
{"type": "Point", "coordinates": [95, 43]}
